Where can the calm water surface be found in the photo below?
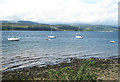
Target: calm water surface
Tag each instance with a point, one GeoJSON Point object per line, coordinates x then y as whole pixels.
{"type": "Point", "coordinates": [34, 50]}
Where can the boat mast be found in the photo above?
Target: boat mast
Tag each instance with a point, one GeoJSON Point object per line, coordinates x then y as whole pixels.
{"type": "Point", "coordinates": [79, 30]}
{"type": "Point", "coordinates": [1, 25]}
{"type": "Point", "coordinates": [12, 30]}
{"type": "Point", "coordinates": [51, 30]}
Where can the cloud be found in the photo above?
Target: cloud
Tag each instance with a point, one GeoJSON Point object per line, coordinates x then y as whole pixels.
{"type": "Point", "coordinates": [60, 11]}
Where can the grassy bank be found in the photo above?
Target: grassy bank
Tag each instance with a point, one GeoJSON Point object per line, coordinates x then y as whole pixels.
{"type": "Point", "coordinates": [78, 69]}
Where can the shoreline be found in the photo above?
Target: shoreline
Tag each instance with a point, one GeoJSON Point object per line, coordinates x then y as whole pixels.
{"type": "Point", "coordinates": [67, 60]}
{"type": "Point", "coordinates": [107, 69]}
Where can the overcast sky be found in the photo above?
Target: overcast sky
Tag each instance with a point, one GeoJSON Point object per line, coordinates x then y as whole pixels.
{"type": "Point", "coordinates": [61, 11]}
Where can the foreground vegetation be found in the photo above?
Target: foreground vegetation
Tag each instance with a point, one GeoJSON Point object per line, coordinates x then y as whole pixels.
{"type": "Point", "coordinates": [85, 72]}
{"type": "Point", "coordinates": [78, 69]}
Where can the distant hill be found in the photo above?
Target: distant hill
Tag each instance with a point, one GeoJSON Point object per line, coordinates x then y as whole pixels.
{"type": "Point", "coordinates": [29, 25]}
{"type": "Point", "coordinates": [5, 21]}
{"type": "Point", "coordinates": [96, 27]}
{"type": "Point", "coordinates": [27, 22]}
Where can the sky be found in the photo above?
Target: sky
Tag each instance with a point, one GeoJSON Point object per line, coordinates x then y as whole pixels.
{"type": "Point", "coordinates": [61, 11]}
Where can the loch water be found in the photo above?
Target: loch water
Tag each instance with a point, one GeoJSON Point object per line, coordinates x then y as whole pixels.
{"type": "Point", "coordinates": [34, 50]}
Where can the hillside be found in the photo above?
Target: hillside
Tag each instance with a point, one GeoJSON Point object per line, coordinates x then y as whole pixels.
{"type": "Point", "coordinates": [26, 22]}
{"type": "Point", "coordinates": [29, 25]}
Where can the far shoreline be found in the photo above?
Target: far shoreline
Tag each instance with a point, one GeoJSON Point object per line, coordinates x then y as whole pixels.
{"type": "Point", "coordinates": [60, 31]}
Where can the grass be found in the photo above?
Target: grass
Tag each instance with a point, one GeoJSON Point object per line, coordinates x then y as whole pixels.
{"type": "Point", "coordinates": [85, 72]}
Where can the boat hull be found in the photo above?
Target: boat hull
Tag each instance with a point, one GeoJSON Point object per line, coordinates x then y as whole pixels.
{"type": "Point", "coordinates": [79, 37]}
{"type": "Point", "coordinates": [13, 39]}
{"type": "Point", "coordinates": [51, 37]}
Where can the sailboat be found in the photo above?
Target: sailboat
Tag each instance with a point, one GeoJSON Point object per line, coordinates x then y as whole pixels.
{"type": "Point", "coordinates": [78, 35]}
{"type": "Point", "coordinates": [51, 34]}
{"type": "Point", "coordinates": [12, 38]}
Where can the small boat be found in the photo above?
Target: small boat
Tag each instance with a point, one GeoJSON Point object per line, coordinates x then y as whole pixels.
{"type": "Point", "coordinates": [51, 36]}
{"type": "Point", "coordinates": [48, 39]}
{"type": "Point", "coordinates": [112, 41]}
{"type": "Point", "coordinates": [78, 35]}
{"type": "Point", "coordinates": [12, 38]}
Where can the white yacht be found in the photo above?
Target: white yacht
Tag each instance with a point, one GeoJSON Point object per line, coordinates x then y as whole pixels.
{"type": "Point", "coordinates": [78, 35]}
{"type": "Point", "coordinates": [51, 35]}
{"type": "Point", "coordinates": [12, 38]}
